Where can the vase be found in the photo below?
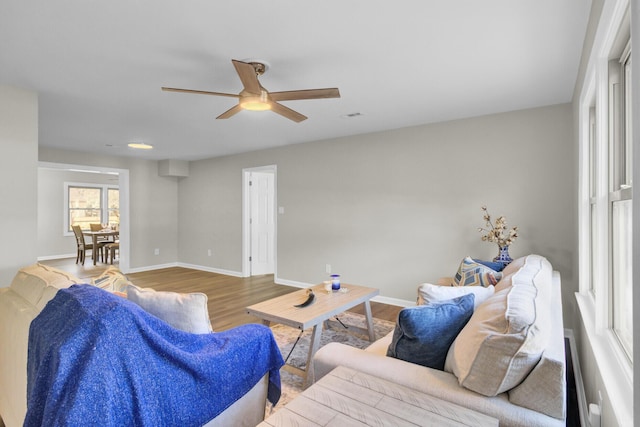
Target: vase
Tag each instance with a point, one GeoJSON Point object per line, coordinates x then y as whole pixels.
{"type": "Point", "coordinates": [503, 256]}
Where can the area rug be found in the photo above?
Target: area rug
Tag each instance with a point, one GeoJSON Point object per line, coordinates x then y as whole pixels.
{"type": "Point", "coordinates": [286, 337]}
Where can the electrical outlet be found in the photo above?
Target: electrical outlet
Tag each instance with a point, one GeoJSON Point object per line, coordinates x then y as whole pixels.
{"type": "Point", "coordinates": [156, 251]}
{"type": "Point", "coordinates": [208, 252]}
{"type": "Point", "coordinates": [327, 268]}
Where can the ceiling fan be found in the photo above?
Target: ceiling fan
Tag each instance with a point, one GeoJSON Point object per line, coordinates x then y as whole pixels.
{"type": "Point", "coordinates": [254, 97]}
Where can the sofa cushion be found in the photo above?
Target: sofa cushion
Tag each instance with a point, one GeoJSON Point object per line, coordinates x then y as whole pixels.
{"type": "Point", "coordinates": [187, 312]}
{"type": "Point", "coordinates": [30, 282]}
{"type": "Point", "coordinates": [509, 271]}
{"type": "Point", "coordinates": [471, 273]}
{"type": "Point", "coordinates": [428, 293]}
{"type": "Point", "coordinates": [424, 333]}
{"type": "Point", "coordinates": [507, 333]}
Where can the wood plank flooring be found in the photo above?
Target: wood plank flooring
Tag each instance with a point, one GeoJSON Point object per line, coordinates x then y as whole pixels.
{"type": "Point", "coordinates": [228, 296]}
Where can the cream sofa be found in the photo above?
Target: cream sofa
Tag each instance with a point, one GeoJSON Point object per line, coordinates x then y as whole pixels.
{"type": "Point", "coordinates": [21, 302]}
{"type": "Point", "coordinates": [533, 373]}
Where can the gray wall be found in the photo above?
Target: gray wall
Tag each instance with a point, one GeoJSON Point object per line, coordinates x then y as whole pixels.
{"type": "Point", "coordinates": [18, 178]}
{"type": "Point", "coordinates": [397, 208]}
{"type": "Point", "coordinates": [153, 205]}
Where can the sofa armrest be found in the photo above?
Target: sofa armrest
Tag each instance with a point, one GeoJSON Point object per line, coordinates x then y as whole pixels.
{"type": "Point", "coordinates": [16, 314]}
{"type": "Point", "coordinates": [248, 411]}
{"type": "Point", "coordinates": [446, 281]}
{"type": "Point", "coordinates": [545, 388]}
{"type": "Point", "coordinates": [381, 346]}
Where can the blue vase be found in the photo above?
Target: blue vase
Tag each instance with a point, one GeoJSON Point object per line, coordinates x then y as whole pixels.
{"type": "Point", "coordinates": [503, 256]}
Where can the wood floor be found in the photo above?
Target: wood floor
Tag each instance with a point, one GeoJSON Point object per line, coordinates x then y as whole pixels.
{"type": "Point", "coordinates": [228, 296]}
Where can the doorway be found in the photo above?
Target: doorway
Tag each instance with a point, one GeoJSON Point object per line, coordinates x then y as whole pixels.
{"type": "Point", "coordinates": [122, 176]}
{"type": "Point", "coordinates": [259, 221]}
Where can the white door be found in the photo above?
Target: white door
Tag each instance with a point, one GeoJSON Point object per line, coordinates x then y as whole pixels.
{"type": "Point", "coordinates": [261, 222]}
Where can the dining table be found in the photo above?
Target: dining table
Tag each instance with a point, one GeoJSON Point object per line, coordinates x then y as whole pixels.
{"type": "Point", "coordinates": [96, 235]}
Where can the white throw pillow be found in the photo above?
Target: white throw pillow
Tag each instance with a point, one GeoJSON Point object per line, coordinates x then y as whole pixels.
{"type": "Point", "coordinates": [187, 312]}
{"type": "Point", "coordinates": [507, 334]}
{"type": "Point", "coordinates": [428, 293]}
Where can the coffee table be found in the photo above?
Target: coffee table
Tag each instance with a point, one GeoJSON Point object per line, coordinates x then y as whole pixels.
{"type": "Point", "coordinates": [346, 397]}
{"type": "Point", "coordinates": [326, 305]}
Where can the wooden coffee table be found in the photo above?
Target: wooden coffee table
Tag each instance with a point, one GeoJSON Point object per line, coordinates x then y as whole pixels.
{"type": "Point", "coordinates": [327, 304]}
{"type": "Point", "coordinates": [346, 397]}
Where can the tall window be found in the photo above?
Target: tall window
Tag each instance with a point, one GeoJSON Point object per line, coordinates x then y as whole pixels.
{"type": "Point", "coordinates": [593, 207]}
{"type": "Point", "coordinates": [605, 300]}
{"type": "Point", "coordinates": [610, 170]}
{"type": "Point", "coordinates": [620, 199]}
{"type": "Point", "coordinates": [91, 203]}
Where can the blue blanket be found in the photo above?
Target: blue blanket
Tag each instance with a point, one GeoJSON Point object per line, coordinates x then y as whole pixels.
{"type": "Point", "coordinates": [98, 359]}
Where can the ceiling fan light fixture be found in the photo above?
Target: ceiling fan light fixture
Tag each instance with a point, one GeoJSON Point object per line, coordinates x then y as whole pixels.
{"type": "Point", "coordinates": [256, 102]}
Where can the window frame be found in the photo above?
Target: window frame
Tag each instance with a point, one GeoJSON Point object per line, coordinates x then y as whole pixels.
{"type": "Point", "coordinates": [104, 205]}
{"type": "Point", "coordinates": [619, 168]}
{"type": "Point", "coordinates": [615, 367]}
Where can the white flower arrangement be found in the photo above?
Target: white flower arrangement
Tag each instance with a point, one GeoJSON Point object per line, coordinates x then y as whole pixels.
{"type": "Point", "coordinates": [495, 233]}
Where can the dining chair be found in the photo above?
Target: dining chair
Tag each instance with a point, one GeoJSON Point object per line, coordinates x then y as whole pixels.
{"type": "Point", "coordinates": [99, 227]}
{"type": "Point", "coordinates": [110, 250]}
{"type": "Point", "coordinates": [83, 245]}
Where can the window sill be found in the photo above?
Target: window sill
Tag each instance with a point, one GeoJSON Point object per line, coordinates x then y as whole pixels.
{"type": "Point", "coordinates": [614, 368]}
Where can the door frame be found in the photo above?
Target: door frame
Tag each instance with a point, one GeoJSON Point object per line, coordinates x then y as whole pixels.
{"type": "Point", "coordinates": [246, 215]}
{"type": "Point", "coordinates": [123, 184]}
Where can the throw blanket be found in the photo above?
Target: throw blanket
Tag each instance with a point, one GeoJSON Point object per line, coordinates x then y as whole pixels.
{"type": "Point", "coordinates": [98, 359]}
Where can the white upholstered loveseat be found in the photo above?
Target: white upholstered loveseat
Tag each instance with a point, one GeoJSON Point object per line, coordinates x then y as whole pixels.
{"type": "Point", "coordinates": [21, 302]}
{"type": "Point", "coordinates": [526, 329]}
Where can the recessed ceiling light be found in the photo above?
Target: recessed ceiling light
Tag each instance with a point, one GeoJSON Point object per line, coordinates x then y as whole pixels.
{"type": "Point", "coordinates": [140, 146]}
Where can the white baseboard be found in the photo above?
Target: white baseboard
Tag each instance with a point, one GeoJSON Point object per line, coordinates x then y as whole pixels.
{"type": "Point", "coordinates": [151, 267]}
{"type": "Point", "coordinates": [393, 301]}
{"type": "Point", "coordinates": [52, 257]}
{"type": "Point", "coordinates": [210, 269]}
{"type": "Point", "coordinates": [281, 281]}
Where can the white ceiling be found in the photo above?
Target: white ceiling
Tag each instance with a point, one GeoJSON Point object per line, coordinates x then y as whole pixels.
{"type": "Point", "coordinates": [98, 66]}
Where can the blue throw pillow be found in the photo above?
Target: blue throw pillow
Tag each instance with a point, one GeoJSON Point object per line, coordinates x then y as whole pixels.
{"type": "Point", "coordinates": [496, 266]}
{"type": "Point", "coordinates": [424, 333]}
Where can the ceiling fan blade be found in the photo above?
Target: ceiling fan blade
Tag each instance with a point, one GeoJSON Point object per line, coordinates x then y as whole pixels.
{"type": "Point", "coordinates": [248, 76]}
{"type": "Point", "coordinates": [199, 92]}
{"type": "Point", "coordinates": [287, 112]}
{"type": "Point", "coordinates": [230, 112]}
{"type": "Point", "coordinates": [291, 95]}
